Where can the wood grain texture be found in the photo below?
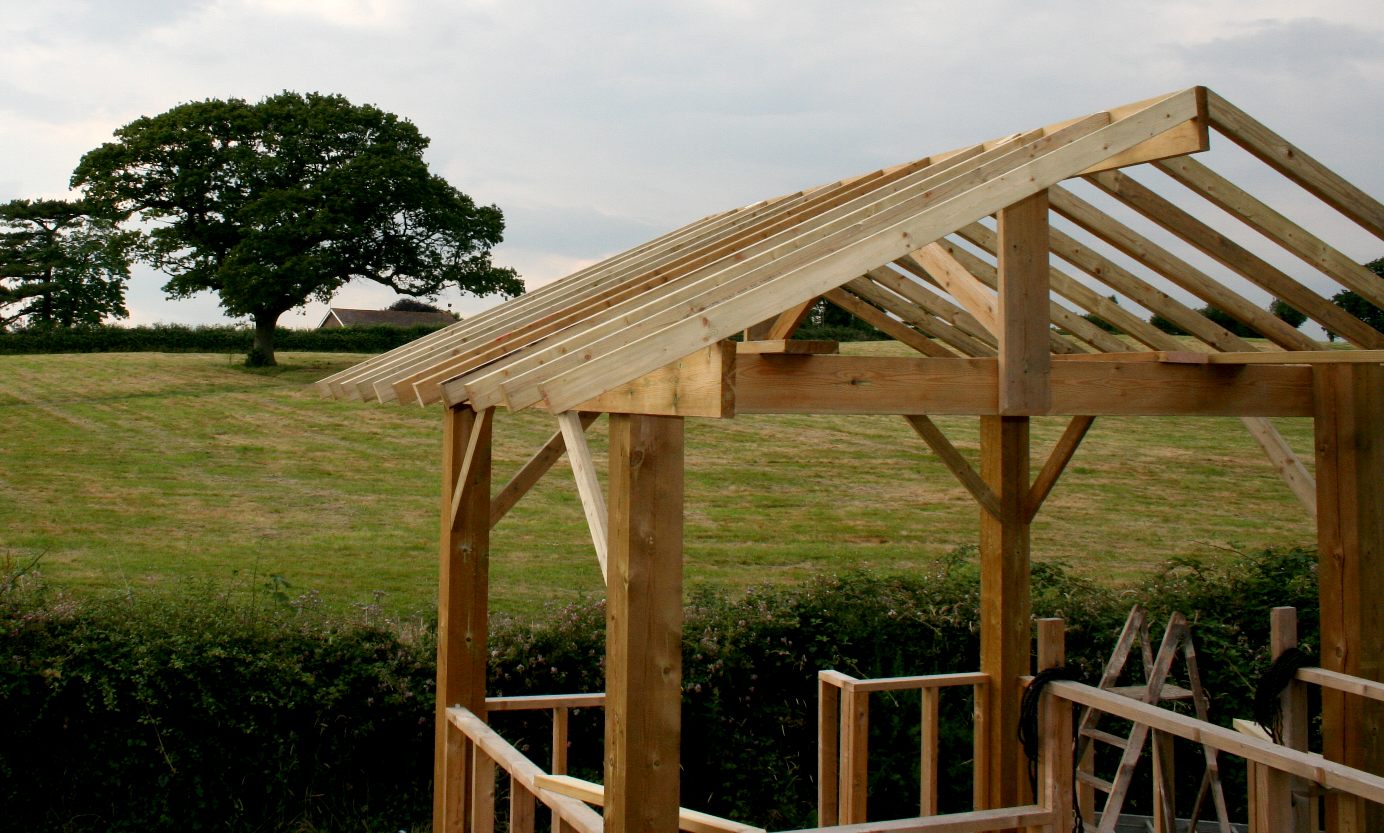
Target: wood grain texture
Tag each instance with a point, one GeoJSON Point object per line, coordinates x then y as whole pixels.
{"type": "Point", "coordinates": [644, 625]}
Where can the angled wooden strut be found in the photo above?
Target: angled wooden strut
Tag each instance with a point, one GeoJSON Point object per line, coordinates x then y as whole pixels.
{"type": "Point", "coordinates": [532, 471]}
{"type": "Point", "coordinates": [1155, 689]}
{"type": "Point", "coordinates": [588, 485]}
{"type": "Point", "coordinates": [1042, 485]}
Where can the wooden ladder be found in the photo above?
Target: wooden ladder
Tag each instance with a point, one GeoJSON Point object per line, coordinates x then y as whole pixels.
{"type": "Point", "coordinates": [1156, 689]}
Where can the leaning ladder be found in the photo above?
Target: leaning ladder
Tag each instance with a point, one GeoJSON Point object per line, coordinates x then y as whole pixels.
{"type": "Point", "coordinates": [1156, 689]}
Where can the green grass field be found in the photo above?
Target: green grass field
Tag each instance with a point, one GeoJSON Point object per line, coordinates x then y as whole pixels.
{"type": "Point", "coordinates": [146, 470]}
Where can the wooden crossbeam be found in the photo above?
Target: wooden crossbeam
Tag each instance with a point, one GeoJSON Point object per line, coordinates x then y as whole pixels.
{"type": "Point", "coordinates": [1294, 163]}
{"type": "Point", "coordinates": [902, 385]}
{"type": "Point", "coordinates": [1237, 258]}
{"type": "Point", "coordinates": [532, 471]}
{"type": "Point", "coordinates": [955, 462]}
{"type": "Point", "coordinates": [588, 485]}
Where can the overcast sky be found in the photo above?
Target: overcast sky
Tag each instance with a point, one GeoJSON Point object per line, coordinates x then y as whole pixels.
{"type": "Point", "coordinates": [598, 125]}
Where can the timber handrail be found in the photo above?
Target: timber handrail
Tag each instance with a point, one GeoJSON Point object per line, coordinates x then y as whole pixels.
{"type": "Point", "coordinates": [524, 774]}
{"type": "Point", "coordinates": [843, 728]}
{"type": "Point", "coordinates": [691, 821]}
{"type": "Point", "coordinates": [1342, 682]}
{"type": "Point", "coordinates": [560, 705]}
{"type": "Point", "coordinates": [1329, 774]}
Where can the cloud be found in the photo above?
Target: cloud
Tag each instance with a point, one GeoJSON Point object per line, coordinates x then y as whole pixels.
{"type": "Point", "coordinates": [598, 125]}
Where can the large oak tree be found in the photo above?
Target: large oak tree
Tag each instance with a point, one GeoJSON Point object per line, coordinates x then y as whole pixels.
{"type": "Point", "coordinates": [275, 203]}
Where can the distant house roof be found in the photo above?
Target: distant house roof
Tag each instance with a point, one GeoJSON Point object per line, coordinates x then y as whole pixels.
{"type": "Point", "coordinates": [338, 317]}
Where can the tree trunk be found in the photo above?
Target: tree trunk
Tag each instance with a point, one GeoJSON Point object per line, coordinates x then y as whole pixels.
{"type": "Point", "coordinates": [262, 352]}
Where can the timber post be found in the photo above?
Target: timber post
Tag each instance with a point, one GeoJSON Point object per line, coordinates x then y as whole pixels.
{"type": "Point", "coordinates": [462, 616]}
{"type": "Point", "coordinates": [644, 625]}
{"type": "Point", "coordinates": [1349, 429]}
{"type": "Point", "coordinates": [1004, 610]}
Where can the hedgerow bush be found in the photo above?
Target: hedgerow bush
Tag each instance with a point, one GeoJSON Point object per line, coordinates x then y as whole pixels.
{"type": "Point", "coordinates": [233, 711]}
{"type": "Point", "coordinates": [176, 338]}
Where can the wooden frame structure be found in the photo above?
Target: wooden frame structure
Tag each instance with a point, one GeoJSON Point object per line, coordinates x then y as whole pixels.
{"type": "Point", "coordinates": [1003, 333]}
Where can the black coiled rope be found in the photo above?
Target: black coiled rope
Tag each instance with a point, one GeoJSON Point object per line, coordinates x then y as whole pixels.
{"type": "Point", "coordinates": [1267, 706]}
{"type": "Point", "coordinates": [1030, 738]}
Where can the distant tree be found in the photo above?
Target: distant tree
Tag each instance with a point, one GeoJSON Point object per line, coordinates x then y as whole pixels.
{"type": "Point", "coordinates": [62, 264]}
{"type": "Point", "coordinates": [1357, 306]}
{"type": "Point", "coordinates": [1228, 321]}
{"type": "Point", "coordinates": [1101, 322]}
{"type": "Point", "coordinates": [1166, 325]}
{"type": "Point", "coordinates": [1287, 314]}
{"type": "Point", "coordinates": [275, 203]}
{"type": "Point", "coordinates": [415, 305]}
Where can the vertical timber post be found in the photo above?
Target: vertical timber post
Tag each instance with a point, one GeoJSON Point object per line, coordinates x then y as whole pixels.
{"type": "Point", "coordinates": [462, 608]}
{"type": "Point", "coordinates": [1349, 428]}
{"type": "Point", "coordinates": [1024, 389]}
{"type": "Point", "coordinates": [1025, 360]}
{"type": "Point", "coordinates": [644, 625]}
{"type": "Point", "coordinates": [1004, 608]}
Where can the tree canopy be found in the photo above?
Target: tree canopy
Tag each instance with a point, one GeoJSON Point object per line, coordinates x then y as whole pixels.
{"type": "Point", "coordinates": [1357, 306]}
{"type": "Point", "coordinates": [276, 203]}
{"type": "Point", "coordinates": [62, 264]}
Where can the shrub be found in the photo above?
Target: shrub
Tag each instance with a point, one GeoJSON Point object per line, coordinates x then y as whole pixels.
{"type": "Point", "coordinates": [253, 711]}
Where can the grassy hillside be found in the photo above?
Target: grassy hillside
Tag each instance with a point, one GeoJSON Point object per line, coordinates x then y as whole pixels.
{"type": "Point", "coordinates": [143, 470]}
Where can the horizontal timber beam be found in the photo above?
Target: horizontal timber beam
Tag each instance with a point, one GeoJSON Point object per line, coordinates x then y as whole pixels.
{"type": "Point", "coordinates": [902, 385]}
{"type": "Point", "coordinates": [698, 385]}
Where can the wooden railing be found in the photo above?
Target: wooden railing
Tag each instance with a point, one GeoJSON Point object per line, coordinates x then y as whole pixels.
{"type": "Point", "coordinates": [560, 705]}
{"type": "Point", "coordinates": [1278, 800]}
{"type": "Point", "coordinates": [843, 732]}
{"type": "Point", "coordinates": [844, 724]}
{"type": "Point", "coordinates": [524, 787]}
{"type": "Point", "coordinates": [568, 798]}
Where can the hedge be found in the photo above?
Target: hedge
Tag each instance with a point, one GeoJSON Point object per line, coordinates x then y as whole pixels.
{"type": "Point", "coordinates": [176, 338]}
{"type": "Point", "coordinates": [234, 711]}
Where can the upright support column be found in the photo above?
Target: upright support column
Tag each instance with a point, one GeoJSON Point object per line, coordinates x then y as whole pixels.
{"type": "Point", "coordinates": [1001, 777]}
{"type": "Point", "coordinates": [462, 608]}
{"type": "Point", "coordinates": [1350, 541]}
{"type": "Point", "coordinates": [1025, 359]}
{"type": "Point", "coordinates": [644, 625]}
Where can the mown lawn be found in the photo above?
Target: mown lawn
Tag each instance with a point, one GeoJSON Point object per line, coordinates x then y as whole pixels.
{"type": "Point", "coordinates": [148, 470]}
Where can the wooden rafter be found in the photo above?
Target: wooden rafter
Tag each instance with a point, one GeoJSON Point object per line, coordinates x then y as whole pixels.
{"type": "Point", "coordinates": [1295, 163]}
{"type": "Point", "coordinates": [1237, 258]}
{"type": "Point", "coordinates": [876, 318]}
{"type": "Point", "coordinates": [1175, 269]}
{"type": "Point", "coordinates": [870, 288]}
{"type": "Point", "coordinates": [976, 190]}
{"type": "Point", "coordinates": [1243, 206]}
